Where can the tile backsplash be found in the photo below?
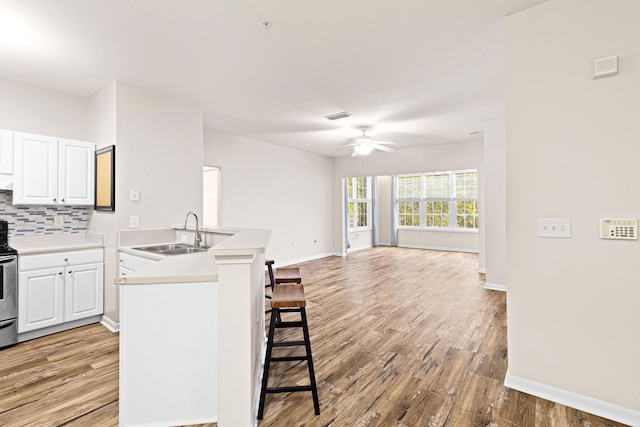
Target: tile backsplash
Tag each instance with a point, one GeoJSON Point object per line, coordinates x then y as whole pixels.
{"type": "Point", "coordinates": [32, 220]}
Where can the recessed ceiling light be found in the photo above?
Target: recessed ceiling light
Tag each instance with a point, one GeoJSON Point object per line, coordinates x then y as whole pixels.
{"type": "Point", "coordinates": [338, 116]}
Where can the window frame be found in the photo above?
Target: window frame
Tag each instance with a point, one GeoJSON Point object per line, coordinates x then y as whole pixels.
{"type": "Point", "coordinates": [367, 201]}
{"type": "Point", "coordinates": [452, 202]}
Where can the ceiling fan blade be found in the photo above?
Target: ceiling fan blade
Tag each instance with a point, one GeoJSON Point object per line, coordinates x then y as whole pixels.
{"type": "Point", "coordinates": [347, 145]}
{"type": "Point", "coordinates": [376, 141]}
{"type": "Point", "coordinates": [355, 154]}
{"type": "Point", "coordinates": [383, 148]}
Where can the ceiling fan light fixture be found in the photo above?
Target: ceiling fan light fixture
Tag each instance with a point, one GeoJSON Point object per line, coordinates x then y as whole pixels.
{"type": "Point", "coordinates": [363, 149]}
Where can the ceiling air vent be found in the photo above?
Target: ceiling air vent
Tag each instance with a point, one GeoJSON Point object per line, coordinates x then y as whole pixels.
{"type": "Point", "coordinates": [338, 116]}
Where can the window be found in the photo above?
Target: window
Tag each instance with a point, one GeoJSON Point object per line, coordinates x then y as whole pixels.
{"type": "Point", "coordinates": [438, 200]}
{"type": "Point", "coordinates": [359, 201]}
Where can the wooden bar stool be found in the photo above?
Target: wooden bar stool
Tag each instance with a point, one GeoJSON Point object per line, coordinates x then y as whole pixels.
{"type": "Point", "coordinates": [289, 298]}
{"type": "Point", "coordinates": [272, 280]}
{"type": "Point", "coordinates": [288, 275]}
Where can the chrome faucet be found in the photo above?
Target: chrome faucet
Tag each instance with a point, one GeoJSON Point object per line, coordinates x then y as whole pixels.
{"type": "Point", "coordinates": [197, 240]}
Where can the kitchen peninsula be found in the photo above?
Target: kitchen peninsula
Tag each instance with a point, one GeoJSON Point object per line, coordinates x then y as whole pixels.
{"type": "Point", "coordinates": [191, 326]}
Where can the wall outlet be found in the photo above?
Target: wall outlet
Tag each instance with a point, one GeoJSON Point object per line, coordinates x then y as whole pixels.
{"type": "Point", "coordinates": [134, 221]}
{"type": "Point", "coordinates": [58, 221]}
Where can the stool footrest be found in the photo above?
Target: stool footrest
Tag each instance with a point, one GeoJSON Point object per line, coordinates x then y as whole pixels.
{"type": "Point", "coordinates": [289, 389]}
{"type": "Point", "coordinates": [288, 358]}
{"type": "Point", "coordinates": [288, 343]}
{"type": "Point", "coordinates": [289, 325]}
{"type": "Point", "coordinates": [289, 310]}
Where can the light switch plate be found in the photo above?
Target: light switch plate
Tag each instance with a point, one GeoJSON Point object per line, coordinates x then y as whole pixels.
{"type": "Point", "coordinates": [134, 221]}
{"type": "Point", "coordinates": [134, 195]}
{"type": "Point", "coordinates": [554, 227]}
{"type": "Point", "coordinates": [58, 221]}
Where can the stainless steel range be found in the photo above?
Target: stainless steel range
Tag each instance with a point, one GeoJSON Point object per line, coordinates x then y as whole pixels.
{"type": "Point", "coordinates": [8, 289]}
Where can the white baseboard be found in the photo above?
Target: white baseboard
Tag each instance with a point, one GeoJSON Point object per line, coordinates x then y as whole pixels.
{"type": "Point", "coordinates": [495, 287]}
{"type": "Point", "coordinates": [574, 400]}
{"type": "Point", "coordinates": [440, 248]}
{"type": "Point", "coordinates": [110, 324]}
{"type": "Point", "coordinates": [482, 270]}
{"type": "Point", "coordinates": [311, 258]}
{"type": "Point", "coordinates": [358, 249]}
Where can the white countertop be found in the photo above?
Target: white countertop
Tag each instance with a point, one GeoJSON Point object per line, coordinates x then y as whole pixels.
{"type": "Point", "coordinates": [196, 267]}
{"type": "Point", "coordinates": [189, 268]}
{"type": "Point", "coordinates": [55, 242]}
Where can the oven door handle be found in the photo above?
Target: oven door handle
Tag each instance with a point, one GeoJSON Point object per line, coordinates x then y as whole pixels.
{"type": "Point", "coordinates": [7, 323]}
{"type": "Point", "coordinates": [7, 258]}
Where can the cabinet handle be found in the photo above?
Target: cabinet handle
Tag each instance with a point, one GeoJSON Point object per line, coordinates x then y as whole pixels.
{"type": "Point", "coordinates": [60, 273]}
{"type": "Point", "coordinates": [66, 259]}
{"type": "Point", "coordinates": [62, 200]}
{"type": "Point", "coordinates": [70, 271]}
{"type": "Point", "coordinates": [55, 200]}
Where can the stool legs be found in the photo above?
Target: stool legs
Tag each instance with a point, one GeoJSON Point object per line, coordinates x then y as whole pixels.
{"type": "Point", "coordinates": [312, 374]}
{"type": "Point", "coordinates": [276, 323]}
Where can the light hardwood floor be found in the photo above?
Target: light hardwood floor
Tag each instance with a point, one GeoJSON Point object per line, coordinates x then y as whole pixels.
{"type": "Point", "coordinates": [400, 337]}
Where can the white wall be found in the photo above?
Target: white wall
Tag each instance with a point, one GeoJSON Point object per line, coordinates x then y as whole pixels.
{"type": "Point", "coordinates": [158, 141]}
{"type": "Point", "coordinates": [464, 155]}
{"type": "Point", "coordinates": [101, 126]}
{"type": "Point", "coordinates": [276, 188]}
{"type": "Point", "coordinates": [495, 203]}
{"type": "Point", "coordinates": [384, 209]}
{"type": "Point", "coordinates": [572, 152]}
{"type": "Point", "coordinates": [159, 153]}
{"type": "Point", "coordinates": [26, 108]}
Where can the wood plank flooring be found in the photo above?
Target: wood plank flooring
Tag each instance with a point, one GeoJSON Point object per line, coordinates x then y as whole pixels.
{"type": "Point", "coordinates": [400, 337]}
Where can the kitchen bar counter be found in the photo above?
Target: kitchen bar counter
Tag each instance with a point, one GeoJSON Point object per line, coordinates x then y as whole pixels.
{"type": "Point", "coordinates": [196, 267]}
{"type": "Point", "coordinates": [173, 314]}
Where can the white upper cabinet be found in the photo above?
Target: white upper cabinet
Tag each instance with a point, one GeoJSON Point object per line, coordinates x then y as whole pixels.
{"type": "Point", "coordinates": [6, 152]}
{"type": "Point", "coordinates": [54, 171]}
{"type": "Point", "coordinates": [35, 174]}
{"type": "Point", "coordinates": [76, 169]}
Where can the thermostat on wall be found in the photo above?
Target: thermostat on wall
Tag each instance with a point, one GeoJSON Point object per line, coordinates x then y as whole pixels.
{"type": "Point", "coordinates": [619, 228]}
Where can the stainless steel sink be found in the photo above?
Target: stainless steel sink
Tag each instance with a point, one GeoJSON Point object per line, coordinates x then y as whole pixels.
{"type": "Point", "coordinates": [172, 249]}
{"type": "Point", "coordinates": [180, 251]}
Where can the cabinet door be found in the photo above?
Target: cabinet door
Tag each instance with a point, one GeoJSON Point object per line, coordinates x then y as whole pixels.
{"type": "Point", "coordinates": [35, 169]}
{"type": "Point", "coordinates": [83, 295]}
{"type": "Point", "coordinates": [76, 172]}
{"type": "Point", "coordinates": [6, 152]}
{"type": "Point", "coordinates": [40, 299]}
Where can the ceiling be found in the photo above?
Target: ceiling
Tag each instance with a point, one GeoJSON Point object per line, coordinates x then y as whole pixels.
{"type": "Point", "coordinates": [418, 72]}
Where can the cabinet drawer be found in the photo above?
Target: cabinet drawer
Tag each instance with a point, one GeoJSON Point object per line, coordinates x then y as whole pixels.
{"type": "Point", "coordinates": [132, 262]}
{"type": "Point", "coordinates": [59, 259]}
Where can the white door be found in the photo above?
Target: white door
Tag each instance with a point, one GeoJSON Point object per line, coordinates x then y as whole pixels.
{"type": "Point", "coordinates": [40, 299]}
{"type": "Point", "coordinates": [83, 295]}
{"type": "Point", "coordinates": [6, 152]}
{"type": "Point", "coordinates": [35, 169]}
{"type": "Point", "coordinates": [76, 173]}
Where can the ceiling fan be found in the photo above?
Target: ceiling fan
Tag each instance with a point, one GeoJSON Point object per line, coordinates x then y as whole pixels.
{"type": "Point", "coordinates": [364, 144]}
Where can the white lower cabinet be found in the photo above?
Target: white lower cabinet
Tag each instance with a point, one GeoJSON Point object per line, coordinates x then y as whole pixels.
{"type": "Point", "coordinates": [130, 263]}
{"type": "Point", "coordinates": [59, 287]}
{"type": "Point", "coordinates": [40, 299]}
{"type": "Point", "coordinates": [83, 291]}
